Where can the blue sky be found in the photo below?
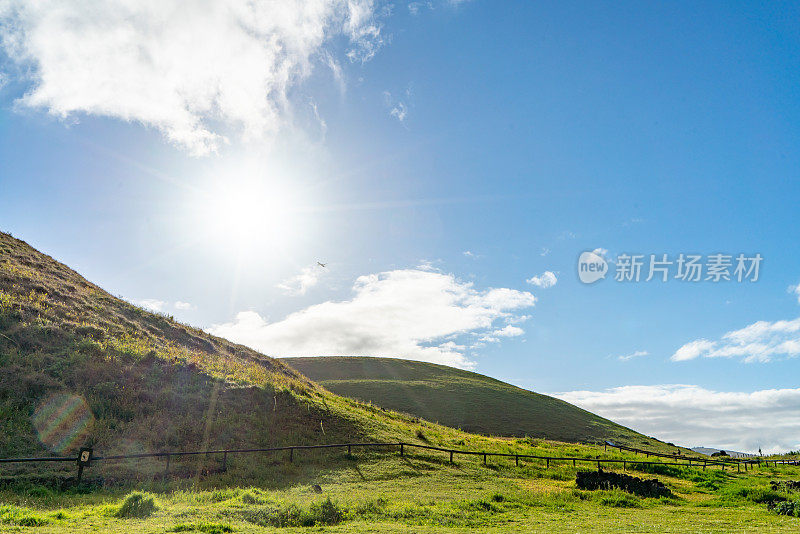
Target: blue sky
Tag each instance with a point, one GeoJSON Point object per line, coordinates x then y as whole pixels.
{"type": "Point", "coordinates": [387, 141]}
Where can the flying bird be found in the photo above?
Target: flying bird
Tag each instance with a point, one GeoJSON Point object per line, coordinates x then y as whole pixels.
{"type": "Point", "coordinates": [321, 264]}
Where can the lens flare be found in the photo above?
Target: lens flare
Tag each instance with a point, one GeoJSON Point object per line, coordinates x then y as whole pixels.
{"type": "Point", "coordinates": [62, 422]}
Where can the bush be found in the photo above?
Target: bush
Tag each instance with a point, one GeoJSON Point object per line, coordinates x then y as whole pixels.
{"type": "Point", "coordinates": [325, 513]}
{"type": "Point", "coordinates": [791, 508]}
{"type": "Point", "coordinates": [208, 528]}
{"type": "Point", "coordinates": [136, 504]}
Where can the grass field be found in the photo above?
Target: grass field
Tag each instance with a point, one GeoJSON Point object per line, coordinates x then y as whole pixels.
{"type": "Point", "coordinates": [417, 493]}
{"type": "Point", "coordinates": [462, 399]}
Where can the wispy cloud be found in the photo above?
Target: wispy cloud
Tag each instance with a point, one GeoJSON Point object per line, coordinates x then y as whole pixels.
{"type": "Point", "coordinates": [195, 71]}
{"type": "Point", "coordinates": [762, 341]}
{"type": "Point", "coordinates": [157, 305]}
{"type": "Point", "coordinates": [408, 313]}
{"type": "Point", "coordinates": [544, 280]}
{"type": "Point", "coordinates": [154, 305]}
{"type": "Point", "coordinates": [795, 289]}
{"type": "Point", "coordinates": [693, 416]}
{"type": "Point", "coordinates": [300, 283]}
{"type": "Point", "coordinates": [398, 108]}
{"type": "Point", "coordinates": [632, 355]}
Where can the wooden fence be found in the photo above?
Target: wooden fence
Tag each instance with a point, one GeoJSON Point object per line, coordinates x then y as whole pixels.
{"type": "Point", "coordinates": [85, 456]}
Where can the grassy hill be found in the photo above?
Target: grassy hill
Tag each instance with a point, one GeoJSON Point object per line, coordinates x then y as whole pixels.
{"type": "Point", "coordinates": [462, 399]}
{"type": "Point", "coordinates": [79, 366]}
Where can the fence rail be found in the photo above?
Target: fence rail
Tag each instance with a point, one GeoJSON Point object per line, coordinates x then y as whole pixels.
{"type": "Point", "coordinates": [84, 460]}
{"type": "Point", "coordinates": [732, 461]}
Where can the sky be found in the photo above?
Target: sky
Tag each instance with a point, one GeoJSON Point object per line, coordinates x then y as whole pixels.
{"type": "Point", "coordinates": [447, 163]}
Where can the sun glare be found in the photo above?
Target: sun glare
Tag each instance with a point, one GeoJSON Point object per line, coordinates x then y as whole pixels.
{"type": "Point", "coordinates": [245, 209]}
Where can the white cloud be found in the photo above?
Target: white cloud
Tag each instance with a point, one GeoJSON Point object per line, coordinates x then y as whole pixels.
{"type": "Point", "coordinates": [397, 108]}
{"type": "Point", "coordinates": [693, 416]}
{"type": "Point", "coordinates": [193, 70]}
{"type": "Point", "coordinates": [637, 354]}
{"type": "Point", "coordinates": [762, 341]}
{"type": "Point", "coordinates": [180, 305]}
{"type": "Point", "coordinates": [151, 304]}
{"type": "Point", "coordinates": [545, 251]}
{"type": "Point", "coordinates": [409, 313]}
{"type": "Point", "coordinates": [692, 350]}
{"type": "Point", "coordinates": [508, 331]}
{"type": "Point", "coordinates": [796, 290]}
{"type": "Point", "coordinates": [545, 280]}
{"type": "Point", "coordinates": [300, 283]}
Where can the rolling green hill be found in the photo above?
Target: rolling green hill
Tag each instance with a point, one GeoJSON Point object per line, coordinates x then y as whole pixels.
{"type": "Point", "coordinates": [461, 399]}
{"type": "Point", "coordinates": [79, 367]}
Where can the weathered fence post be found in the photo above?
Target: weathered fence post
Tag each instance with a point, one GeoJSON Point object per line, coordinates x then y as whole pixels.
{"type": "Point", "coordinates": [349, 450]}
{"type": "Point", "coordinates": [451, 457]}
{"type": "Point", "coordinates": [516, 459]}
{"type": "Point", "coordinates": [291, 454]}
{"type": "Point", "coordinates": [84, 457]}
{"type": "Point", "coordinates": [573, 462]}
{"type": "Point", "coordinates": [548, 464]}
{"type": "Point", "coordinates": [624, 465]}
{"type": "Point", "coordinates": [484, 459]}
{"type": "Point", "coordinates": [401, 449]}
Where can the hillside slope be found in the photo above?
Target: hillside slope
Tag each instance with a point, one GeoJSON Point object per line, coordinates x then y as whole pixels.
{"type": "Point", "coordinates": [461, 399]}
{"type": "Point", "coordinates": [79, 367]}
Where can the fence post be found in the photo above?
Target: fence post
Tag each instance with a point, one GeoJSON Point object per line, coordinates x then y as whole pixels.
{"type": "Point", "coordinates": [451, 457]}
{"type": "Point", "coordinates": [738, 467]}
{"type": "Point", "coordinates": [548, 464]}
{"type": "Point", "coordinates": [624, 465]}
{"type": "Point", "coordinates": [484, 459]}
{"type": "Point", "coordinates": [349, 450]}
{"type": "Point", "coordinates": [84, 457]}
{"type": "Point", "coordinates": [573, 462]}
{"type": "Point", "coordinates": [291, 454]}
{"type": "Point", "coordinates": [516, 459]}
{"type": "Point", "coordinates": [166, 469]}
{"type": "Point", "coordinates": [225, 462]}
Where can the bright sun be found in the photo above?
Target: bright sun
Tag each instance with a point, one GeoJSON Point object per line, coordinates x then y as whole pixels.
{"type": "Point", "coordinates": [248, 213]}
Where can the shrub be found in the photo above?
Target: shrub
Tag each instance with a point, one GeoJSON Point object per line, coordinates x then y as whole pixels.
{"type": "Point", "coordinates": [136, 504]}
{"type": "Point", "coordinates": [325, 513]}
{"type": "Point", "coordinates": [791, 508]}
{"type": "Point", "coordinates": [248, 498]}
{"type": "Point", "coordinates": [208, 528]}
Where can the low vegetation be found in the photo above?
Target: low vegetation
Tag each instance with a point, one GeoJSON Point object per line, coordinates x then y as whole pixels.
{"type": "Point", "coordinates": [420, 492]}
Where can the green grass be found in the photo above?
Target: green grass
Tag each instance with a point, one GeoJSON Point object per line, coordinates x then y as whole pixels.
{"type": "Point", "coordinates": [465, 400]}
{"type": "Point", "coordinates": [417, 493]}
